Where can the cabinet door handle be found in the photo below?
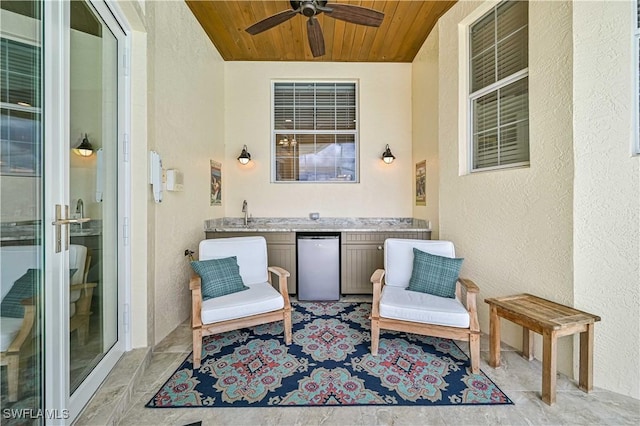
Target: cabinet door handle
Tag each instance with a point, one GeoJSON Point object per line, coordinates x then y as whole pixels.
{"type": "Point", "coordinates": [379, 247]}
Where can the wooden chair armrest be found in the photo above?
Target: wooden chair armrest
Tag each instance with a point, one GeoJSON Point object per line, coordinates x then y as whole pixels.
{"type": "Point", "coordinates": [25, 327]}
{"type": "Point", "coordinates": [82, 286]}
{"type": "Point", "coordinates": [283, 276]}
{"type": "Point", "coordinates": [469, 301]}
{"type": "Point", "coordinates": [280, 272]}
{"type": "Point", "coordinates": [31, 301]}
{"type": "Point", "coordinates": [195, 282]}
{"type": "Point", "coordinates": [377, 279]}
{"type": "Point", "coordinates": [469, 285]}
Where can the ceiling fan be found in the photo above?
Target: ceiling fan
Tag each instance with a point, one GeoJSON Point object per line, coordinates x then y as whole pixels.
{"type": "Point", "coordinates": [311, 8]}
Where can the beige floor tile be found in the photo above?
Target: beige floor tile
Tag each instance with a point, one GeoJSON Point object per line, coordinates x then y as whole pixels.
{"type": "Point", "coordinates": [520, 379]}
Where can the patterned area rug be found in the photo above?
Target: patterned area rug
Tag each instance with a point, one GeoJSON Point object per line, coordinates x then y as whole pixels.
{"type": "Point", "coordinates": [328, 363]}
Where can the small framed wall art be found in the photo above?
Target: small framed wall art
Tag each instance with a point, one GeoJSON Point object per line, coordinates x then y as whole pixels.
{"type": "Point", "coordinates": [216, 183]}
{"type": "Point", "coordinates": [421, 183]}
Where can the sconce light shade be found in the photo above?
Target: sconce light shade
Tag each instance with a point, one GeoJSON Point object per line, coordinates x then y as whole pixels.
{"type": "Point", "coordinates": [84, 149]}
{"type": "Point", "coordinates": [387, 156]}
{"type": "Point", "coordinates": [244, 157]}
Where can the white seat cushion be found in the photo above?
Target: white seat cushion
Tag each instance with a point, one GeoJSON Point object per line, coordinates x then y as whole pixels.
{"type": "Point", "coordinates": [398, 257]}
{"type": "Point", "coordinates": [9, 329]}
{"type": "Point", "coordinates": [401, 304]}
{"type": "Point", "coordinates": [260, 298]}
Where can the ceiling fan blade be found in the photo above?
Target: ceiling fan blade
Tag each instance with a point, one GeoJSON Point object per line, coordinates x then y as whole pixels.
{"type": "Point", "coordinates": [355, 14]}
{"type": "Point", "coordinates": [316, 39]}
{"type": "Point", "coordinates": [271, 21]}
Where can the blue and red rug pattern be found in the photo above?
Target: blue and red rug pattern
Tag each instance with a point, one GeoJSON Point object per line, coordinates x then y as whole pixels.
{"type": "Point", "coordinates": [328, 363]}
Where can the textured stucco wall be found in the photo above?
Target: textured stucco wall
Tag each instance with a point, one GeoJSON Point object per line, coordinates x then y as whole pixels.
{"type": "Point", "coordinates": [385, 117]}
{"type": "Point", "coordinates": [424, 111]}
{"type": "Point", "coordinates": [606, 194]}
{"type": "Point", "coordinates": [141, 315]}
{"type": "Point", "coordinates": [186, 127]}
{"type": "Point", "coordinates": [514, 227]}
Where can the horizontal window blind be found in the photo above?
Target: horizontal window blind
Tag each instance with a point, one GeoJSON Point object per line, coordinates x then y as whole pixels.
{"type": "Point", "coordinates": [499, 98]}
{"type": "Point", "coordinates": [315, 132]}
{"type": "Point", "coordinates": [20, 121]}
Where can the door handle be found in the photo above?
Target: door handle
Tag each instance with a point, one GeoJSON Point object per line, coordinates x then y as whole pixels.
{"type": "Point", "coordinates": [62, 219]}
{"type": "Point", "coordinates": [68, 221]}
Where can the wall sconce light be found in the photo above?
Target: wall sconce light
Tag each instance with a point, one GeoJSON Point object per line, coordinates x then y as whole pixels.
{"type": "Point", "coordinates": [84, 149]}
{"type": "Point", "coordinates": [244, 157]}
{"type": "Point", "coordinates": [387, 156]}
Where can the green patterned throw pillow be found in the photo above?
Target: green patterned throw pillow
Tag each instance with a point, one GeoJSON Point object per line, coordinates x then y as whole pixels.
{"type": "Point", "coordinates": [23, 288]}
{"type": "Point", "coordinates": [219, 276]}
{"type": "Point", "coordinates": [436, 275]}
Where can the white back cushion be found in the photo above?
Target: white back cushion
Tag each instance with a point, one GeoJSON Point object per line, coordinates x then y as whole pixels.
{"type": "Point", "coordinates": [251, 253]}
{"type": "Point", "coordinates": [398, 257]}
{"type": "Point", "coordinates": [77, 259]}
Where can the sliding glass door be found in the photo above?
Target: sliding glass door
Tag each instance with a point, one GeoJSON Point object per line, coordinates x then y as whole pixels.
{"type": "Point", "coordinates": [61, 193]}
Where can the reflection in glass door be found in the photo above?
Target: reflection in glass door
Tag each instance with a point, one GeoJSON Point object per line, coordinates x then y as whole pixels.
{"type": "Point", "coordinates": [93, 178]}
{"type": "Point", "coordinates": [21, 210]}
{"type": "Point", "coordinates": [60, 165]}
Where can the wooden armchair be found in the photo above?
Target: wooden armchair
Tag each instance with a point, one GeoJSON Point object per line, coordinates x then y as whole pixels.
{"type": "Point", "coordinates": [260, 304]}
{"type": "Point", "coordinates": [20, 344]}
{"type": "Point", "coordinates": [17, 332]}
{"type": "Point", "coordinates": [396, 308]}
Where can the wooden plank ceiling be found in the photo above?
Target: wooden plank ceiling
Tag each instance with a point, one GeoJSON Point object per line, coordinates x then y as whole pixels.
{"type": "Point", "coordinates": [404, 29]}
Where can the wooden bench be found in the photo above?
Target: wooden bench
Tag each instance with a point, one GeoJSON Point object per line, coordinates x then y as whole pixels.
{"type": "Point", "coordinates": [551, 320]}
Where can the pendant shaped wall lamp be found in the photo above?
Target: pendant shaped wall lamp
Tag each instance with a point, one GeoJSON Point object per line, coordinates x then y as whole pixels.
{"type": "Point", "coordinates": [387, 156]}
{"type": "Point", "coordinates": [84, 149]}
{"type": "Point", "coordinates": [244, 157]}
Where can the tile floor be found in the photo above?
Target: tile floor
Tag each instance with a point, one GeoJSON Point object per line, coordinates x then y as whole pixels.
{"type": "Point", "coordinates": [122, 398]}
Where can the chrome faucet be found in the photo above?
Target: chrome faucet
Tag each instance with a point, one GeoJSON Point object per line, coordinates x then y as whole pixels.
{"type": "Point", "coordinates": [245, 210]}
{"type": "Point", "coordinates": [80, 210]}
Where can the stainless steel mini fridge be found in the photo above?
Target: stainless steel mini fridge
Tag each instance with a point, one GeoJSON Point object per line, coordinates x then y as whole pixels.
{"type": "Point", "coordinates": [318, 267]}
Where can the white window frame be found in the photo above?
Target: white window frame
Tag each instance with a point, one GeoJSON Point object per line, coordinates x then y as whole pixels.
{"type": "Point", "coordinates": [636, 81]}
{"type": "Point", "coordinates": [465, 97]}
{"type": "Point", "coordinates": [355, 132]}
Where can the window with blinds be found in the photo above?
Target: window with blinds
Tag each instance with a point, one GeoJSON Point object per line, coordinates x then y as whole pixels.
{"type": "Point", "coordinates": [499, 87]}
{"type": "Point", "coordinates": [19, 108]}
{"type": "Point", "coordinates": [315, 132]}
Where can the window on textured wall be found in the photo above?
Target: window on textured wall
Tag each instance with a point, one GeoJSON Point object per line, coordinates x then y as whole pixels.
{"type": "Point", "coordinates": [637, 77]}
{"type": "Point", "coordinates": [315, 132]}
{"type": "Point", "coordinates": [499, 88]}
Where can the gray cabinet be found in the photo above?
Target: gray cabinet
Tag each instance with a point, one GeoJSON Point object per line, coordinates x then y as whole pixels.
{"type": "Point", "coordinates": [281, 250]}
{"type": "Point", "coordinates": [362, 253]}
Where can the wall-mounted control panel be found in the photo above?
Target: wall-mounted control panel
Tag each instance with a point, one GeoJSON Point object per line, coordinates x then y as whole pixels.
{"type": "Point", "coordinates": [175, 180]}
{"type": "Point", "coordinates": [155, 175]}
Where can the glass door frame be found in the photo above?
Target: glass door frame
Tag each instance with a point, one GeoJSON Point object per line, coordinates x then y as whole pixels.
{"type": "Point", "coordinates": [56, 163]}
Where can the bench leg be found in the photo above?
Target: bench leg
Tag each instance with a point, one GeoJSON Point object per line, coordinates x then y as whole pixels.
{"type": "Point", "coordinates": [586, 359]}
{"type": "Point", "coordinates": [494, 338]}
{"type": "Point", "coordinates": [549, 366]}
{"type": "Point", "coordinates": [527, 344]}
